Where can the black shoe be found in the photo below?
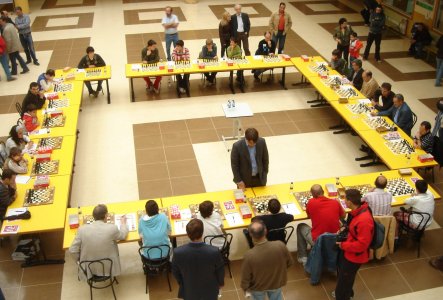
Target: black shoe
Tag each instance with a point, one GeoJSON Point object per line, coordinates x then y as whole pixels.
{"type": "Point", "coordinates": [96, 94]}
{"type": "Point", "coordinates": [28, 62]}
{"type": "Point", "coordinates": [24, 71]}
{"type": "Point", "coordinates": [36, 63]}
{"type": "Point", "coordinates": [256, 76]}
{"type": "Point", "coordinates": [13, 74]}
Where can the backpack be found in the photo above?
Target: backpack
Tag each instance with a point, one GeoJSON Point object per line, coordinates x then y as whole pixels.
{"type": "Point", "coordinates": [378, 237]}
{"type": "Point", "coordinates": [3, 155]}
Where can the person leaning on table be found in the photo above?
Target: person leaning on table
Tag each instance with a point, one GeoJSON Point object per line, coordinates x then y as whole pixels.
{"type": "Point", "coordinates": [250, 160]}
{"type": "Point", "coordinates": [8, 190]}
{"type": "Point", "coordinates": [234, 52]}
{"type": "Point", "coordinates": [98, 240]}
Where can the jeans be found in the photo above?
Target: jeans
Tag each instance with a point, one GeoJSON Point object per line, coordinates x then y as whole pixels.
{"type": "Point", "coordinates": [5, 65]}
{"type": "Point", "coordinates": [210, 76]}
{"type": "Point", "coordinates": [323, 256]}
{"type": "Point", "coordinates": [13, 57]}
{"type": "Point", "coordinates": [371, 38]}
{"type": "Point", "coordinates": [346, 276]}
{"type": "Point", "coordinates": [304, 238]}
{"type": "Point", "coordinates": [439, 74]}
{"type": "Point", "coordinates": [344, 49]}
{"type": "Point", "coordinates": [279, 39]}
{"type": "Point", "coordinates": [272, 294]}
{"type": "Point", "coordinates": [170, 38]}
{"type": "Point", "coordinates": [90, 89]}
{"type": "Point", "coordinates": [28, 46]}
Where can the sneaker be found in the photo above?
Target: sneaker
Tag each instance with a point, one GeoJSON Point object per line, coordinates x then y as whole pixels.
{"type": "Point", "coordinates": [182, 90]}
{"type": "Point", "coordinates": [302, 260]}
{"type": "Point", "coordinates": [24, 71]}
{"type": "Point", "coordinates": [36, 63]}
{"type": "Point", "coordinates": [12, 79]}
{"type": "Point", "coordinates": [379, 61]}
{"type": "Point", "coordinates": [333, 295]}
{"type": "Point", "coordinates": [256, 77]}
{"type": "Point", "coordinates": [157, 91]}
{"type": "Point", "coordinates": [96, 94]}
{"type": "Point", "coordinates": [92, 95]}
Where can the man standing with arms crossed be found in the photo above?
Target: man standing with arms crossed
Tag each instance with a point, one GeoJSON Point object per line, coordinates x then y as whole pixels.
{"type": "Point", "coordinates": [23, 25]}
{"type": "Point", "coordinates": [170, 24]}
{"type": "Point", "coordinates": [279, 24]}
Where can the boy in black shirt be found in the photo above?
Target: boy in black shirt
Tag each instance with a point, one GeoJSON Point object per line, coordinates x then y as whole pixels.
{"type": "Point", "coordinates": [92, 60]}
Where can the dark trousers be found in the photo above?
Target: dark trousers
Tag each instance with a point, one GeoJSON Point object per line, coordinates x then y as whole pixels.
{"type": "Point", "coordinates": [366, 14]}
{"type": "Point", "coordinates": [182, 80]}
{"type": "Point", "coordinates": [346, 276]}
{"type": "Point", "coordinates": [210, 76]}
{"type": "Point", "coordinates": [279, 39]}
{"type": "Point", "coordinates": [28, 46]}
{"type": "Point", "coordinates": [242, 39]}
{"type": "Point", "coordinates": [344, 49]}
{"type": "Point", "coordinates": [90, 89]}
{"type": "Point", "coordinates": [371, 38]}
{"type": "Point", "coordinates": [224, 47]}
{"type": "Point", "coordinates": [13, 57]}
{"type": "Point", "coordinates": [255, 181]}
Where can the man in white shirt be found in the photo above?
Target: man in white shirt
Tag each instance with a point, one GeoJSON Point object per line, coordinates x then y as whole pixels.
{"type": "Point", "coordinates": [170, 24]}
{"type": "Point", "coordinates": [378, 199]}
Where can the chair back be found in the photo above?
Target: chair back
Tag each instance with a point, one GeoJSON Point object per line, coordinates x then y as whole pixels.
{"type": "Point", "coordinates": [154, 256]}
{"type": "Point", "coordinates": [281, 234]}
{"type": "Point", "coordinates": [96, 270]}
{"type": "Point", "coordinates": [216, 240]}
{"type": "Point", "coordinates": [414, 119]}
{"type": "Point", "coordinates": [19, 108]}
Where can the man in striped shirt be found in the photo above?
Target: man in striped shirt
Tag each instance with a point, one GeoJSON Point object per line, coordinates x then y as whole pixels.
{"type": "Point", "coordinates": [424, 139]}
{"type": "Point", "coordinates": [378, 199]}
{"type": "Point", "coordinates": [180, 53]}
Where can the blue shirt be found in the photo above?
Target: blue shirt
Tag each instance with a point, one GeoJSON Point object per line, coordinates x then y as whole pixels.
{"type": "Point", "coordinates": [252, 152]}
{"type": "Point", "coordinates": [155, 232]}
{"type": "Point", "coordinates": [396, 115]}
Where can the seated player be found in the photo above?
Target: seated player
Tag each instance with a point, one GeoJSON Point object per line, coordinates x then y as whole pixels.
{"type": "Point", "coordinates": [34, 96]}
{"type": "Point", "coordinates": [355, 77]}
{"type": "Point", "coordinates": [18, 139]}
{"type": "Point", "coordinates": [30, 119]}
{"type": "Point", "coordinates": [387, 97]}
{"type": "Point", "coordinates": [7, 191]}
{"type": "Point", "coordinates": [16, 162]}
{"type": "Point", "coordinates": [378, 199]}
{"type": "Point", "coordinates": [266, 47]}
{"type": "Point", "coordinates": [276, 220]}
{"type": "Point", "coordinates": [212, 222]}
{"type": "Point", "coordinates": [150, 56]}
{"type": "Point", "coordinates": [234, 51]}
{"type": "Point", "coordinates": [154, 230]}
{"type": "Point", "coordinates": [180, 53]}
{"type": "Point", "coordinates": [337, 63]}
{"type": "Point", "coordinates": [92, 60]}
{"type": "Point", "coordinates": [45, 80]}
{"type": "Point", "coordinates": [423, 139]}
{"type": "Point", "coordinates": [370, 85]}
{"type": "Point", "coordinates": [209, 51]}
{"type": "Point", "coordinates": [399, 113]}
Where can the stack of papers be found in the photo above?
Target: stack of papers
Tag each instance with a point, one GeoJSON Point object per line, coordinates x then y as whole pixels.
{"type": "Point", "coordinates": [291, 208]}
{"type": "Point", "coordinates": [234, 219]}
{"type": "Point", "coordinates": [130, 221]}
{"type": "Point", "coordinates": [180, 226]}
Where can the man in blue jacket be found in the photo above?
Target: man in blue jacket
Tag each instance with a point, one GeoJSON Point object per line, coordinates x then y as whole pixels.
{"type": "Point", "coordinates": [399, 113]}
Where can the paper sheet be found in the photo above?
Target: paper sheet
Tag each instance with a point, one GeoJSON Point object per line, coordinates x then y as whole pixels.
{"type": "Point", "coordinates": [40, 131]}
{"type": "Point", "coordinates": [234, 219]}
{"type": "Point", "coordinates": [20, 179]}
{"type": "Point", "coordinates": [185, 214]}
{"type": "Point", "coordinates": [136, 67]}
{"type": "Point", "coordinates": [291, 208]}
{"type": "Point", "coordinates": [10, 229]}
{"type": "Point", "coordinates": [130, 221]}
{"type": "Point", "coordinates": [180, 226]}
{"type": "Point", "coordinates": [16, 211]}
{"type": "Point", "coordinates": [364, 101]}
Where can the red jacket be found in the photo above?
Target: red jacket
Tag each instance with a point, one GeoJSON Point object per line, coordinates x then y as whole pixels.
{"type": "Point", "coordinates": [354, 48]}
{"type": "Point", "coordinates": [361, 230]}
{"type": "Point", "coordinates": [2, 45]}
{"type": "Point", "coordinates": [30, 122]}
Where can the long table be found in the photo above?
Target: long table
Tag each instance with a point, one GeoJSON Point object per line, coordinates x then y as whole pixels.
{"type": "Point", "coordinates": [282, 191]}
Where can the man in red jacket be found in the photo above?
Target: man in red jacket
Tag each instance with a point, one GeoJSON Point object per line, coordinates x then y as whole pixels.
{"type": "Point", "coordinates": [355, 249]}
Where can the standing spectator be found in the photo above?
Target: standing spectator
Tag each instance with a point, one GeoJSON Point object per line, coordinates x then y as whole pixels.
{"type": "Point", "coordinates": [98, 240]}
{"type": "Point", "coordinates": [420, 38]}
{"type": "Point", "coordinates": [264, 266]}
{"type": "Point", "coordinates": [4, 60]}
{"type": "Point", "coordinates": [240, 28]}
{"type": "Point", "coordinates": [23, 25]}
{"type": "Point", "coordinates": [150, 56]}
{"type": "Point", "coordinates": [342, 36]}
{"type": "Point", "coordinates": [279, 24]}
{"type": "Point", "coordinates": [354, 48]}
{"type": "Point", "coordinates": [387, 97]}
{"type": "Point", "coordinates": [355, 249]}
{"type": "Point", "coordinates": [224, 32]}
{"type": "Point", "coordinates": [423, 139]}
{"type": "Point", "coordinates": [92, 60]}
{"type": "Point", "coordinates": [12, 46]}
{"type": "Point", "coordinates": [181, 53]}
{"type": "Point", "coordinates": [439, 69]}
{"type": "Point", "coordinates": [370, 6]}
{"type": "Point", "coordinates": [356, 76]}
{"type": "Point", "coordinates": [378, 199]}
{"type": "Point", "coordinates": [7, 191]}
{"type": "Point", "coordinates": [209, 51]}
{"type": "Point", "coordinates": [45, 80]}
{"type": "Point", "coordinates": [377, 22]}
{"type": "Point", "coordinates": [170, 24]}
{"type": "Point", "coordinates": [198, 268]}
{"type": "Point", "coordinates": [325, 215]}
{"type": "Point", "coordinates": [370, 85]}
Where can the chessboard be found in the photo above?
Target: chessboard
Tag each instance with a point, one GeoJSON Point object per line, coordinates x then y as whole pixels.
{"type": "Point", "coordinates": [142, 213]}
{"type": "Point", "coordinates": [57, 121]}
{"type": "Point", "coordinates": [52, 142]}
{"type": "Point", "coordinates": [94, 72]}
{"type": "Point", "coordinates": [183, 64]}
{"type": "Point", "coordinates": [239, 60]}
{"type": "Point", "coordinates": [39, 196]}
{"type": "Point", "coordinates": [149, 67]}
{"type": "Point", "coordinates": [195, 210]}
{"type": "Point", "coordinates": [303, 198]}
{"type": "Point", "coordinates": [346, 92]}
{"type": "Point", "coordinates": [272, 59]}
{"type": "Point", "coordinates": [321, 67]}
{"type": "Point", "coordinates": [333, 80]}
{"type": "Point", "coordinates": [59, 103]}
{"type": "Point", "coordinates": [45, 168]}
{"type": "Point", "coordinates": [377, 122]}
{"type": "Point", "coordinates": [63, 87]}
{"type": "Point", "coordinates": [362, 188]}
{"type": "Point", "coordinates": [110, 219]}
{"type": "Point", "coordinates": [400, 147]}
{"type": "Point", "coordinates": [399, 187]}
{"type": "Point", "coordinates": [209, 62]}
{"type": "Point", "coordinates": [260, 204]}
{"type": "Point", "coordinates": [359, 108]}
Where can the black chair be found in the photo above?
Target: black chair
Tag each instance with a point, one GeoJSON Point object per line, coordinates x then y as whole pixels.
{"type": "Point", "coordinates": [411, 230]}
{"type": "Point", "coordinates": [224, 250]}
{"type": "Point", "coordinates": [156, 266]}
{"type": "Point", "coordinates": [281, 234]}
{"type": "Point", "coordinates": [19, 108]}
{"type": "Point", "coordinates": [98, 271]}
{"type": "Point", "coordinates": [414, 119]}
{"type": "Point", "coordinates": [248, 238]}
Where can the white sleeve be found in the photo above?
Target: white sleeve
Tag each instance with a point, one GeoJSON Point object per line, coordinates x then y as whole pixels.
{"type": "Point", "coordinates": [46, 86]}
{"type": "Point", "coordinates": [164, 20]}
{"type": "Point", "coordinates": [411, 201]}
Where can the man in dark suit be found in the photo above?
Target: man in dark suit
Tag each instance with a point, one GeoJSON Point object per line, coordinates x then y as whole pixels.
{"type": "Point", "coordinates": [240, 28]}
{"type": "Point", "coordinates": [250, 160]}
{"type": "Point", "coordinates": [199, 268]}
{"type": "Point", "coordinates": [356, 76]}
{"type": "Point", "coordinates": [399, 113]}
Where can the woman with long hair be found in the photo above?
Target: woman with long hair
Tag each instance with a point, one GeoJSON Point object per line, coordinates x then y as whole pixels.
{"type": "Point", "coordinates": [224, 32]}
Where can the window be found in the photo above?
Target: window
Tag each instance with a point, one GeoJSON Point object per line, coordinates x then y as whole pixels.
{"type": "Point", "coordinates": [405, 6]}
{"type": "Point", "coordinates": [438, 23]}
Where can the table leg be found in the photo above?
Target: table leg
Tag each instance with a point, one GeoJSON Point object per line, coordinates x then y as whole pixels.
{"type": "Point", "coordinates": [107, 90]}
{"type": "Point", "coordinates": [177, 87]}
{"type": "Point", "coordinates": [303, 81]}
{"type": "Point", "coordinates": [132, 90]}
{"type": "Point", "coordinates": [283, 79]}
{"type": "Point", "coordinates": [242, 82]}
{"type": "Point", "coordinates": [231, 81]}
{"type": "Point", "coordinates": [188, 86]}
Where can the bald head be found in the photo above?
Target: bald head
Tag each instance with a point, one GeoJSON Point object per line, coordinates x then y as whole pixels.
{"type": "Point", "coordinates": [317, 191]}
{"type": "Point", "coordinates": [257, 230]}
{"type": "Point", "coordinates": [381, 182]}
